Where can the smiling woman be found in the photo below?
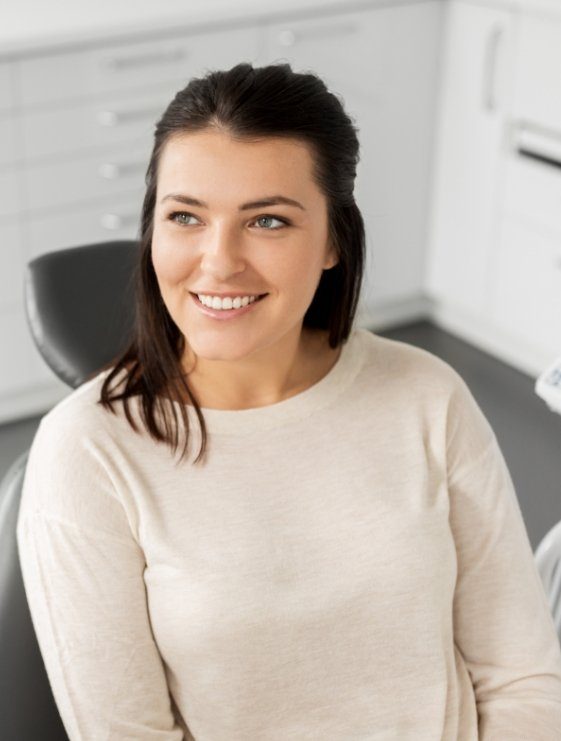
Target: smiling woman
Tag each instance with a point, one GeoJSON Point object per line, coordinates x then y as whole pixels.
{"type": "Point", "coordinates": [246, 297]}
{"type": "Point", "coordinates": [348, 560]}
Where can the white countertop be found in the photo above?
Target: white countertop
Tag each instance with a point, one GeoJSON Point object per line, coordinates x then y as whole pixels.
{"type": "Point", "coordinates": [36, 26]}
{"type": "Point", "coordinates": [28, 26]}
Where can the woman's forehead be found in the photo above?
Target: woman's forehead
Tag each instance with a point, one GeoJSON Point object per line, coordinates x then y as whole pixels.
{"type": "Point", "coordinates": [214, 162]}
{"type": "Point", "coordinates": [215, 148]}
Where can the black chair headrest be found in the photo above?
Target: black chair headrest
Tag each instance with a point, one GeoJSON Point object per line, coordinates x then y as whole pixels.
{"type": "Point", "coordinates": [79, 306]}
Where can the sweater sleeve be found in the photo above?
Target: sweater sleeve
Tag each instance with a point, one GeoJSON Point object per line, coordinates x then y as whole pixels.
{"type": "Point", "coordinates": [83, 576]}
{"type": "Point", "coordinates": [503, 626]}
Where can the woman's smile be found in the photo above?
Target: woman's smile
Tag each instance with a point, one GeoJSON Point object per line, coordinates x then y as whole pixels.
{"type": "Point", "coordinates": [232, 312]}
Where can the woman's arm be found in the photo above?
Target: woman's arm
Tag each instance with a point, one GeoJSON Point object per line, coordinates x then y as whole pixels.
{"type": "Point", "coordinates": [83, 576]}
{"type": "Point", "coordinates": [502, 622]}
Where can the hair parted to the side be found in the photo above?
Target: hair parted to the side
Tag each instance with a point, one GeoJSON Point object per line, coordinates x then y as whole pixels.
{"type": "Point", "coordinates": [249, 103]}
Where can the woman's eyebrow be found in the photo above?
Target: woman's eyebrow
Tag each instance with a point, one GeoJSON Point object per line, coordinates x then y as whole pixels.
{"type": "Point", "coordinates": [262, 202]}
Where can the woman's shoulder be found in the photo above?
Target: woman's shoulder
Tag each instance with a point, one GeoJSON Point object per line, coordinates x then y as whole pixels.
{"type": "Point", "coordinates": [80, 410]}
{"type": "Point", "coordinates": [401, 370]}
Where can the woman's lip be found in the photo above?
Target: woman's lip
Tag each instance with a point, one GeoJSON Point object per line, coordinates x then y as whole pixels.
{"type": "Point", "coordinates": [227, 295]}
{"type": "Point", "coordinates": [227, 315]}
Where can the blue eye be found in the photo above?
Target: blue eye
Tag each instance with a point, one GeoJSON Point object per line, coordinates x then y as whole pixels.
{"type": "Point", "coordinates": [172, 216]}
{"type": "Point", "coordinates": [277, 218]}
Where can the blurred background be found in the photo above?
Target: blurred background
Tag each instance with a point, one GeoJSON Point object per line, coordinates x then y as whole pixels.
{"type": "Point", "coordinates": [459, 114]}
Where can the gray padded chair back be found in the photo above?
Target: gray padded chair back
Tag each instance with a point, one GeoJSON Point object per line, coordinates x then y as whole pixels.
{"type": "Point", "coordinates": [78, 303]}
{"type": "Point", "coordinates": [79, 306]}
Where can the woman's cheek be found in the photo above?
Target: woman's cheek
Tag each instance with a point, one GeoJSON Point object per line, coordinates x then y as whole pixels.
{"type": "Point", "coordinates": [168, 260]}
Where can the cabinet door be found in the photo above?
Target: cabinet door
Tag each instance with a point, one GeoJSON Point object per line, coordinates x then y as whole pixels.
{"type": "Point", "coordinates": [470, 139]}
{"type": "Point", "coordinates": [382, 62]}
{"type": "Point", "coordinates": [538, 71]}
{"type": "Point", "coordinates": [11, 257]}
{"type": "Point", "coordinates": [16, 369]}
{"type": "Point", "coordinates": [7, 97]}
{"type": "Point", "coordinates": [528, 290]}
{"type": "Point", "coordinates": [9, 150]}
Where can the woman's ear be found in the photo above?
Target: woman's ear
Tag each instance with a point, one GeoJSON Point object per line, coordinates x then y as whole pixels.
{"type": "Point", "coordinates": [331, 260]}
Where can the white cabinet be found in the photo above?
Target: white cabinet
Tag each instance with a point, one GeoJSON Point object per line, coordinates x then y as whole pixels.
{"type": "Point", "coordinates": [383, 63]}
{"type": "Point", "coordinates": [476, 79]}
{"type": "Point", "coordinates": [527, 278]}
{"type": "Point", "coordinates": [528, 287]}
{"type": "Point", "coordinates": [7, 99]}
{"type": "Point", "coordinates": [538, 71]}
{"type": "Point", "coordinates": [494, 250]}
{"type": "Point", "coordinates": [11, 257]}
{"type": "Point", "coordinates": [14, 368]}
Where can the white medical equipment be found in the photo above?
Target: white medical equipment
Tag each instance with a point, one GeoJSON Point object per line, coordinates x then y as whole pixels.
{"type": "Point", "coordinates": [548, 553]}
{"type": "Point", "coordinates": [548, 386]}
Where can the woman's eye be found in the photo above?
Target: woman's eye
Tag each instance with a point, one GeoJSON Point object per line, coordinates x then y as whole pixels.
{"type": "Point", "coordinates": [172, 217]}
{"type": "Point", "coordinates": [274, 218]}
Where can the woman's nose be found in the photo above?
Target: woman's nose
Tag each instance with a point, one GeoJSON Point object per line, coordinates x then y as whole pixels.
{"type": "Point", "coordinates": [222, 253]}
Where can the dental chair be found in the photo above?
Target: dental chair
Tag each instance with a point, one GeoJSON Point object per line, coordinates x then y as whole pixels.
{"type": "Point", "coordinates": [79, 308]}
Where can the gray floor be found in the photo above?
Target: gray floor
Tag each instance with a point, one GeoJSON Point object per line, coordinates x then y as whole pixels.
{"type": "Point", "coordinates": [528, 433]}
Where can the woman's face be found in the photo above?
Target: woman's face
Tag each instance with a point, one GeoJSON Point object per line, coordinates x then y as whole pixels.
{"type": "Point", "coordinates": [228, 243]}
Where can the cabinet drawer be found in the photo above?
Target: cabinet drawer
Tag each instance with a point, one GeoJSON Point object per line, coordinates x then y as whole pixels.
{"type": "Point", "coordinates": [136, 65]}
{"type": "Point", "coordinates": [7, 97]}
{"type": "Point", "coordinates": [538, 71]}
{"type": "Point", "coordinates": [533, 191]}
{"type": "Point", "coordinates": [10, 190]}
{"type": "Point", "coordinates": [11, 265]}
{"type": "Point", "coordinates": [115, 218]}
{"type": "Point", "coordinates": [110, 121]}
{"type": "Point", "coordinates": [17, 371]}
{"type": "Point", "coordinates": [9, 150]}
{"type": "Point", "coordinates": [528, 285]}
{"type": "Point", "coordinates": [80, 180]}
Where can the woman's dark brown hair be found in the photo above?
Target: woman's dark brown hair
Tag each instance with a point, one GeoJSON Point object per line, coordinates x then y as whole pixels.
{"type": "Point", "coordinates": [249, 103]}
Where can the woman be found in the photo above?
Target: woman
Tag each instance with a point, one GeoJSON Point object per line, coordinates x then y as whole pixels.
{"type": "Point", "coordinates": [345, 558]}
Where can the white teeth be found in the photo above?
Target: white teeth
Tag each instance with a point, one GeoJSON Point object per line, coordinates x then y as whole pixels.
{"type": "Point", "coordinates": [214, 302]}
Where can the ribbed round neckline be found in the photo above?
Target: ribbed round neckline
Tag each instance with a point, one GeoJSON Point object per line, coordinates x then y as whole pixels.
{"type": "Point", "coordinates": [301, 405]}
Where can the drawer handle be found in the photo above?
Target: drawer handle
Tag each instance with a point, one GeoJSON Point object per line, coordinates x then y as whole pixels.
{"type": "Point", "coordinates": [112, 171]}
{"type": "Point", "coordinates": [489, 69]}
{"type": "Point", "coordinates": [288, 37]}
{"type": "Point", "coordinates": [539, 157]}
{"type": "Point", "coordinates": [114, 118]}
{"type": "Point", "coordinates": [112, 222]}
{"type": "Point", "coordinates": [118, 64]}
{"type": "Point", "coordinates": [538, 143]}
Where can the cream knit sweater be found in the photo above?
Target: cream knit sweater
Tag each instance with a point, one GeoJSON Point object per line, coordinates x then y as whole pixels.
{"type": "Point", "coordinates": [350, 565]}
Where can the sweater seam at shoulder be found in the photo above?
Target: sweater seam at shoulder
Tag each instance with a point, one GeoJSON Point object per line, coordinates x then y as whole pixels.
{"type": "Point", "coordinates": [49, 517]}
